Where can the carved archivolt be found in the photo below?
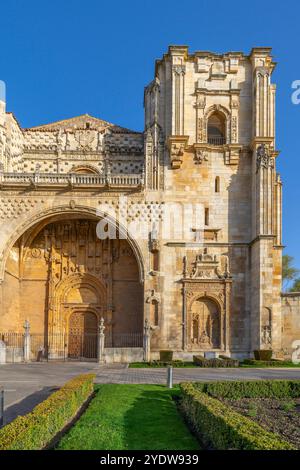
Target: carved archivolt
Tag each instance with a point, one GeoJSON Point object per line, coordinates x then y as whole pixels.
{"type": "Point", "coordinates": [41, 218]}
{"type": "Point", "coordinates": [92, 291]}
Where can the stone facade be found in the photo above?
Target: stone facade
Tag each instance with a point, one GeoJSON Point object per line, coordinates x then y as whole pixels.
{"type": "Point", "coordinates": [208, 147]}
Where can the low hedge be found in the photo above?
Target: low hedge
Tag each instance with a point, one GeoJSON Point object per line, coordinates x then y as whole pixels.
{"type": "Point", "coordinates": [174, 363]}
{"type": "Point", "coordinates": [165, 356]}
{"type": "Point", "coordinates": [220, 427]}
{"type": "Point", "coordinates": [263, 354]}
{"type": "Point", "coordinates": [36, 430]}
{"type": "Point", "coordinates": [251, 389]}
{"type": "Point", "coordinates": [215, 362]}
{"type": "Point", "coordinates": [272, 363]}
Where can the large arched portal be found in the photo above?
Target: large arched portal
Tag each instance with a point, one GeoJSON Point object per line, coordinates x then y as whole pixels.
{"type": "Point", "coordinates": [62, 278]}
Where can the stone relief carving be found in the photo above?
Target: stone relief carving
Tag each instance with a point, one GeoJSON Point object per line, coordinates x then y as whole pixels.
{"type": "Point", "coordinates": [153, 296]}
{"type": "Point", "coordinates": [205, 323]}
{"type": "Point", "coordinates": [234, 129]}
{"type": "Point", "coordinates": [201, 130]}
{"type": "Point", "coordinates": [266, 327]}
{"type": "Point", "coordinates": [176, 154]}
{"type": "Point", "coordinates": [200, 156]}
{"type": "Point", "coordinates": [11, 208]}
{"type": "Point", "coordinates": [266, 335]}
{"type": "Point", "coordinates": [84, 138]}
{"type": "Point", "coordinates": [206, 266]}
{"type": "Point", "coordinates": [263, 158]}
{"type": "Point", "coordinates": [179, 69]}
{"type": "Point", "coordinates": [154, 241]}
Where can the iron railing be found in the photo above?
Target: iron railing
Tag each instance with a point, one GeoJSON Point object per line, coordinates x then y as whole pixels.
{"type": "Point", "coordinates": [216, 140]}
{"type": "Point", "coordinates": [124, 340]}
{"type": "Point", "coordinates": [65, 346]}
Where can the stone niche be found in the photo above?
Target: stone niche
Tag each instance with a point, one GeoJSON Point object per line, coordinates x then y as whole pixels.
{"type": "Point", "coordinates": [206, 303]}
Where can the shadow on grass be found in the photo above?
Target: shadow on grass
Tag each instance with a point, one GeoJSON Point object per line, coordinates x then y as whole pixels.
{"type": "Point", "coordinates": [153, 422]}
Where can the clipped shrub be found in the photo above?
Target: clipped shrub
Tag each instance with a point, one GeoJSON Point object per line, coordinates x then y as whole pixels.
{"type": "Point", "coordinates": [37, 429]}
{"type": "Point", "coordinates": [251, 389]}
{"type": "Point", "coordinates": [215, 362]}
{"type": "Point", "coordinates": [263, 354]}
{"type": "Point", "coordinates": [229, 361]}
{"type": "Point", "coordinates": [220, 427]}
{"type": "Point", "coordinates": [165, 356]}
{"type": "Point", "coordinates": [162, 364]}
{"type": "Point", "coordinates": [272, 363]}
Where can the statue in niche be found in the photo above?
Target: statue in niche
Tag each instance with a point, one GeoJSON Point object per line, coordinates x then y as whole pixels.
{"type": "Point", "coordinates": [205, 328]}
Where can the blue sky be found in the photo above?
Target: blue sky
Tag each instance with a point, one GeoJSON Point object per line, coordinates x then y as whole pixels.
{"type": "Point", "coordinates": [64, 58]}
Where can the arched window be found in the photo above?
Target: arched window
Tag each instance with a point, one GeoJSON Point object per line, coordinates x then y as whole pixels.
{"type": "Point", "coordinates": [217, 184]}
{"type": "Point", "coordinates": [216, 129]}
{"type": "Point", "coordinates": [84, 170]}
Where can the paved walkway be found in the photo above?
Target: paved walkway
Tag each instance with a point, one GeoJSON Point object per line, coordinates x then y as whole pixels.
{"type": "Point", "coordinates": [26, 385]}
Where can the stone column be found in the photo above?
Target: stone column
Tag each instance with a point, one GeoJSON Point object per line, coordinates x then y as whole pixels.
{"type": "Point", "coordinates": [27, 348]}
{"type": "Point", "coordinates": [101, 340]}
{"type": "Point", "coordinates": [147, 339]}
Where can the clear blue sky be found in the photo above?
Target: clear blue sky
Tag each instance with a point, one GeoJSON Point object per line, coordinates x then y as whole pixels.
{"type": "Point", "coordinates": [64, 58]}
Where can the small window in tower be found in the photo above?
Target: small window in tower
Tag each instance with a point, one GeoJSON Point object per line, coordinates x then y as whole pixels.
{"type": "Point", "coordinates": [87, 125]}
{"type": "Point", "coordinates": [206, 216]}
{"type": "Point", "coordinates": [217, 184]}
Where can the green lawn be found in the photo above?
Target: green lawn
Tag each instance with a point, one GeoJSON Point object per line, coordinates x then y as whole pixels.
{"type": "Point", "coordinates": [130, 417]}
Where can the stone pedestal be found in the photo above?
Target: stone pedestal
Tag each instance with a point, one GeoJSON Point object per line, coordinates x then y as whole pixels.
{"type": "Point", "coordinates": [147, 339]}
{"type": "Point", "coordinates": [27, 341]}
{"type": "Point", "coordinates": [2, 352]}
{"type": "Point", "coordinates": [101, 341]}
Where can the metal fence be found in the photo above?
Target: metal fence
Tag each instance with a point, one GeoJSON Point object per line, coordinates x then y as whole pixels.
{"type": "Point", "coordinates": [64, 346]}
{"type": "Point", "coordinates": [124, 340]}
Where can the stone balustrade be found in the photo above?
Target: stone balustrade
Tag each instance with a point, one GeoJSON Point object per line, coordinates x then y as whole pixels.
{"type": "Point", "coordinates": [73, 180]}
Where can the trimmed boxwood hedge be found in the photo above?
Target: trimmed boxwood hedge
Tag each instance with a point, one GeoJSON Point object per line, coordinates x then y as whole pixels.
{"type": "Point", "coordinates": [165, 356]}
{"type": "Point", "coordinates": [251, 389]}
{"type": "Point", "coordinates": [263, 354]}
{"type": "Point", "coordinates": [220, 427]}
{"type": "Point", "coordinates": [272, 363]}
{"type": "Point", "coordinates": [36, 430]}
{"type": "Point", "coordinates": [223, 361]}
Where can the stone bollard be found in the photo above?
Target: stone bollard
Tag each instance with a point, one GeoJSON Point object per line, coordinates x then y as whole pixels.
{"type": "Point", "coordinates": [27, 341]}
{"type": "Point", "coordinates": [101, 341]}
{"type": "Point", "coordinates": [170, 377]}
{"type": "Point", "coordinates": [2, 352]}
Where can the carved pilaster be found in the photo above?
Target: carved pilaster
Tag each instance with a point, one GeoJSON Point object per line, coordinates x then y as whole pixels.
{"type": "Point", "coordinates": [178, 99]}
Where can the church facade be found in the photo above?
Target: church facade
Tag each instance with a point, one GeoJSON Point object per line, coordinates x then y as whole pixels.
{"type": "Point", "coordinates": [202, 272]}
